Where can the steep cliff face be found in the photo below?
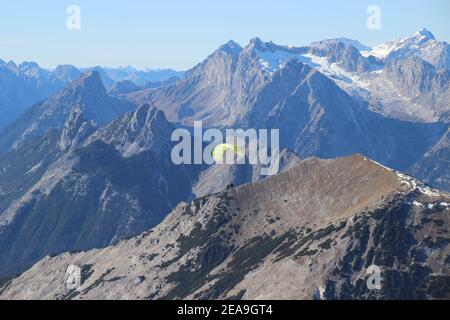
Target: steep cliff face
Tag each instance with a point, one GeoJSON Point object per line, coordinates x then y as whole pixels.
{"type": "Point", "coordinates": [310, 232]}
{"type": "Point", "coordinates": [434, 167]}
{"type": "Point", "coordinates": [421, 83]}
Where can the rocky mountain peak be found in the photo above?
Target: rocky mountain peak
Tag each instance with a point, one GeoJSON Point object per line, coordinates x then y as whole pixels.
{"type": "Point", "coordinates": [89, 81]}
{"type": "Point", "coordinates": [86, 94]}
{"type": "Point", "coordinates": [76, 130]}
{"type": "Point", "coordinates": [425, 34]}
{"type": "Point", "coordinates": [33, 70]}
{"type": "Point", "coordinates": [231, 47]}
{"type": "Point", "coordinates": [27, 65]}
{"type": "Point", "coordinates": [422, 44]}
{"type": "Point", "coordinates": [261, 46]}
{"type": "Point", "coordinates": [142, 130]}
{"type": "Point", "coordinates": [147, 117]}
{"type": "Point", "coordinates": [256, 41]}
{"type": "Point", "coordinates": [123, 87]}
{"type": "Point", "coordinates": [354, 42]}
{"type": "Point", "coordinates": [12, 66]}
{"type": "Point", "coordinates": [66, 72]}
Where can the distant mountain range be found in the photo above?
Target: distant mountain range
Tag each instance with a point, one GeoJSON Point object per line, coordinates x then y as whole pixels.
{"type": "Point", "coordinates": [23, 85]}
{"type": "Point", "coordinates": [301, 91]}
{"type": "Point", "coordinates": [85, 163]}
{"type": "Point", "coordinates": [26, 84]}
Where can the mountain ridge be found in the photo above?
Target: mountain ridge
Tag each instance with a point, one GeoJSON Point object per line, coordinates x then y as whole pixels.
{"type": "Point", "coordinates": [88, 157]}
{"type": "Point", "coordinates": [86, 92]}
{"type": "Point", "coordinates": [233, 245]}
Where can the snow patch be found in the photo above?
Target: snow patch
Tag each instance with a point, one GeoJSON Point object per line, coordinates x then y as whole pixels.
{"type": "Point", "coordinates": [34, 168]}
{"type": "Point", "coordinates": [418, 204]}
{"type": "Point", "coordinates": [381, 165]}
{"type": "Point", "coordinates": [272, 61]}
{"type": "Point", "coordinates": [412, 183]}
{"type": "Point", "coordinates": [320, 293]}
{"type": "Point", "coordinates": [420, 42]}
{"type": "Point", "coordinates": [428, 191]}
{"type": "Point", "coordinates": [418, 185]}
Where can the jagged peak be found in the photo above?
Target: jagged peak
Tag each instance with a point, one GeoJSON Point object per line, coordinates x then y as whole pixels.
{"type": "Point", "coordinates": [256, 40]}
{"type": "Point", "coordinates": [88, 93]}
{"type": "Point", "coordinates": [89, 76]}
{"type": "Point", "coordinates": [28, 65]}
{"type": "Point", "coordinates": [346, 41]}
{"type": "Point", "coordinates": [90, 80]}
{"type": "Point", "coordinates": [258, 44]}
{"type": "Point", "coordinates": [11, 63]}
{"type": "Point", "coordinates": [144, 118]}
{"type": "Point", "coordinates": [231, 47]}
{"type": "Point", "coordinates": [123, 87]}
{"type": "Point", "coordinates": [424, 32]}
{"type": "Point", "coordinates": [143, 129]}
{"type": "Point", "coordinates": [76, 129]}
{"type": "Point", "coordinates": [148, 118]}
{"type": "Point", "coordinates": [65, 67]}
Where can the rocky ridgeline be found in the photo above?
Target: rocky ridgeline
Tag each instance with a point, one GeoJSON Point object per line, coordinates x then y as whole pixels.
{"type": "Point", "coordinates": [310, 232]}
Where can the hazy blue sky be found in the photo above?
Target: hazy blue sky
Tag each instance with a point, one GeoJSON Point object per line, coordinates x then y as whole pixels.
{"type": "Point", "coordinates": [179, 34]}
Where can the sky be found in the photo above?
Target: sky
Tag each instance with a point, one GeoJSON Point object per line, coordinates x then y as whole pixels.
{"type": "Point", "coordinates": [179, 34]}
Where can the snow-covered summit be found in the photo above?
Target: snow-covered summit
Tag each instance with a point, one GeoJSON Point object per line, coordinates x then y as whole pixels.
{"type": "Point", "coordinates": [422, 43]}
